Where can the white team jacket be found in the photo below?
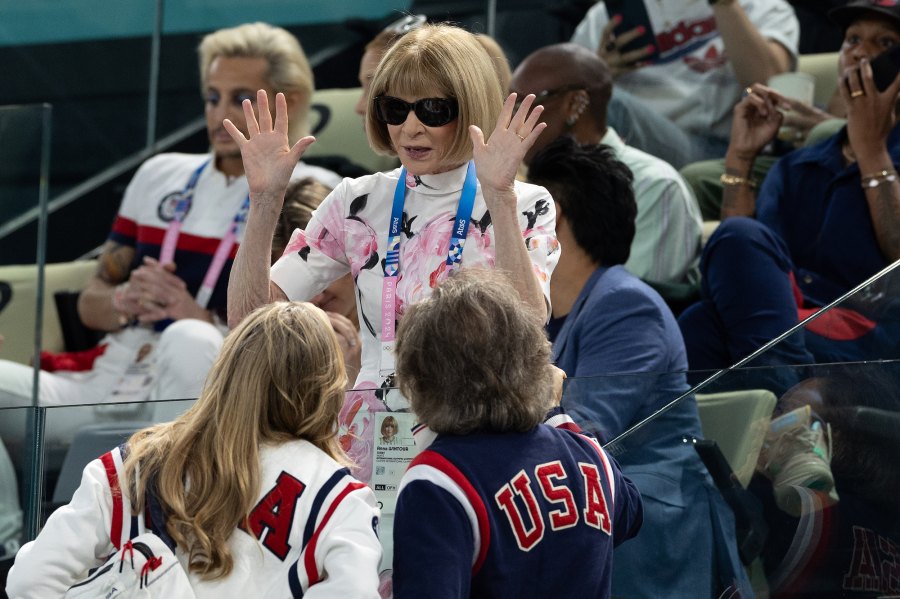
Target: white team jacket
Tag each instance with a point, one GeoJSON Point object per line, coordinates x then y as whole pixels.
{"type": "Point", "coordinates": [312, 533]}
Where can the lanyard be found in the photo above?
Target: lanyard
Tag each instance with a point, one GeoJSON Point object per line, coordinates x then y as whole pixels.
{"type": "Point", "coordinates": [392, 257]}
{"type": "Point", "coordinates": [170, 240]}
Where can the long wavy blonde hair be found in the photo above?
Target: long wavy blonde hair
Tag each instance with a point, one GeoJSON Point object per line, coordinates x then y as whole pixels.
{"type": "Point", "coordinates": [280, 377]}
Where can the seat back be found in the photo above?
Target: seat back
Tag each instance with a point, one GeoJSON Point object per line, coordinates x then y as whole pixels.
{"type": "Point", "coordinates": [18, 295]}
{"type": "Point", "coordinates": [90, 443]}
{"type": "Point", "coordinates": [737, 421]}
{"type": "Point", "coordinates": [824, 67]}
{"type": "Point", "coordinates": [339, 131]}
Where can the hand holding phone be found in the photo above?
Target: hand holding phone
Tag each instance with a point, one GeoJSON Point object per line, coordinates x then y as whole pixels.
{"type": "Point", "coordinates": [885, 67]}
{"type": "Point", "coordinates": [628, 41]}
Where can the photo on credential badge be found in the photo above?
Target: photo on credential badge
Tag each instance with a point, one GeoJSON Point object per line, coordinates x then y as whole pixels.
{"type": "Point", "coordinates": [394, 450]}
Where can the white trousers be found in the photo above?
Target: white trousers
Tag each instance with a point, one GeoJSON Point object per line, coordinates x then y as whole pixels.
{"type": "Point", "coordinates": [181, 357]}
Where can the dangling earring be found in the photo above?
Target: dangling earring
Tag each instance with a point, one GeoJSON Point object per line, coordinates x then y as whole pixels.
{"type": "Point", "coordinates": [571, 120]}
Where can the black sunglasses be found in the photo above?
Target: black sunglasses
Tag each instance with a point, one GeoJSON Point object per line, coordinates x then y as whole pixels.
{"type": "Point", "coordinates": [432, 112]}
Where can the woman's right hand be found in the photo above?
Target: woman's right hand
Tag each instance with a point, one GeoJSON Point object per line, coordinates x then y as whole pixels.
{"type": "Point", "coordinates": [268, 158]}
{"type": "Point", "coordinates": [756, 121]}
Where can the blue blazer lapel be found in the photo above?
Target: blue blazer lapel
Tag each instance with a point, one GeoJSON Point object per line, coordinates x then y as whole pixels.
{"type": "Point", "coordinates": [563, 337]}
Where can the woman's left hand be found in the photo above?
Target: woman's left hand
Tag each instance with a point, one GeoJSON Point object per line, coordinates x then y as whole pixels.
{"type": "Point", "coordinates": [497, 160]}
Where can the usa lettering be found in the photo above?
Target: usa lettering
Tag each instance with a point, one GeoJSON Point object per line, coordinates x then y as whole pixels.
{"type": "Point", "coordinates": [527, 519]}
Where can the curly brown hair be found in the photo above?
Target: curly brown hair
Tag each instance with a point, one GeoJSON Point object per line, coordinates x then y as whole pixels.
{"type": "Point", "coordinates": [472, 357]}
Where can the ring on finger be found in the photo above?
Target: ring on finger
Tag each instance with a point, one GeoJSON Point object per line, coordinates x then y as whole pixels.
{"type": "Point", "coordinates": [748, 91]}
{"type": "Point", "coordinates": [520, 137]}
{"type": "Point", "coordinates": [610, 47]}
{"type": "Point", "coordinates": [857, 93]}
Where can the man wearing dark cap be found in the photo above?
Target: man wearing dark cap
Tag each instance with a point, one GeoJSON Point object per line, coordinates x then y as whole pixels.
{"type": "Point", "coordinates": [827, 218]}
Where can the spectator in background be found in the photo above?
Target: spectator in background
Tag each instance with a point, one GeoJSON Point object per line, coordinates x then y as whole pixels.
{"type": "Point", "coordinates": [574, 87]}
{"type": "Point", "coordinates": [158, 290]}
{"type": "Point", "coordinates": [818, 33]}
{"type": "Point", "coordinates": [376, 48]}
{"type": "Point", "coordinates": [605, 322]}
{"type": "Point", "coordinates": [827, 218]}
{"type": "Point", "coordinates": [674, 97]}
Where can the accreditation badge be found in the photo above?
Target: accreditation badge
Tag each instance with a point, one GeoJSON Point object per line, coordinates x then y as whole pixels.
{"type": "Point", "coordinates": [394, 450]}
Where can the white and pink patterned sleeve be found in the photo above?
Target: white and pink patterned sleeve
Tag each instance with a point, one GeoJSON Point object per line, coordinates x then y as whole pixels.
{"type": "Point", "coordinates": [537, 217]}
{"type": "Point", "coordinates": [317, 256]}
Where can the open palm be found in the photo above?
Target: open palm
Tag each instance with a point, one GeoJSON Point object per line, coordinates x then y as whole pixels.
{"type": "Point", "coordinates": [497, 160]}
{"type": "Point", "coordinates": [268, 157]}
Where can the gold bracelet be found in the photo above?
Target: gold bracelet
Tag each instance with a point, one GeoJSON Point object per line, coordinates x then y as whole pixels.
{"type": "Point", "coordinates": [876, 179]}
{"type": "Point", "coordinates": [727, 179]}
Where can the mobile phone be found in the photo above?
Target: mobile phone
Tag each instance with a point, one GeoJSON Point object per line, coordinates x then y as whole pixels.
{"type": "Point", "coordinates": [885, 67]}
{"type": "Point", "coordinates": [634, 14]}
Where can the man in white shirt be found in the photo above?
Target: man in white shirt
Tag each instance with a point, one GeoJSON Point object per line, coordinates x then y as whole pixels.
{"type": "Point", "coordinates": [677, 103]}
{"type": "Point", "coordinates": [159, 290]}
{"type": "Point", "coordinates": [574, 86]}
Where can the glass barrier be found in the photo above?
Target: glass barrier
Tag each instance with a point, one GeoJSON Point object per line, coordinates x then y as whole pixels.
{"type": "Point", "coordinates": [751, 496]}
{"type": "Point", "coordinates": [789, 446]}
{"type": "Point", "coordinates": [23, 189]}
{"type": "Point", "coordinates": [810, 477]}
{"type": "Point", "coordinates": [16, 463]}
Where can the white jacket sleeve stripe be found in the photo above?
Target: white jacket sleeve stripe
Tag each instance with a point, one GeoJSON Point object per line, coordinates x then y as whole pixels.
{"type": "Point", "coordinates": [309, 558]}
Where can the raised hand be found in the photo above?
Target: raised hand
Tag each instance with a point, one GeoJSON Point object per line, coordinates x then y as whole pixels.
{"type": "Point", "coordinates": [870, 113]}
{"type": "Point", "coordinates": [621, 62]}
{"type": "Point", "coordinates": [756, 121]}
{"type": "Point", "coordinates": [268, 157]}
{"type": "Point", "coordinates": [498, 159]}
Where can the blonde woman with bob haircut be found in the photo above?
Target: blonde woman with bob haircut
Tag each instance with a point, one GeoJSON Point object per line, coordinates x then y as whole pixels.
{"type": "Point", "coordinates": [249, 484]}
{"type": "Point", "coordinates": [454, 204]}
{"type": "Point", "coordinates": [459, 526]}
{"type": "Point", "coordinates": [288, 69]}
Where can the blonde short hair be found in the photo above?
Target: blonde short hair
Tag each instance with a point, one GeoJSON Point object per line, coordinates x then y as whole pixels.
{"type": "Point", "coordinates": [440, 59]}
{"type": "Point", "coordinates": [289, 70]}
{"type": "Point", "coordinates": [473, 357]}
